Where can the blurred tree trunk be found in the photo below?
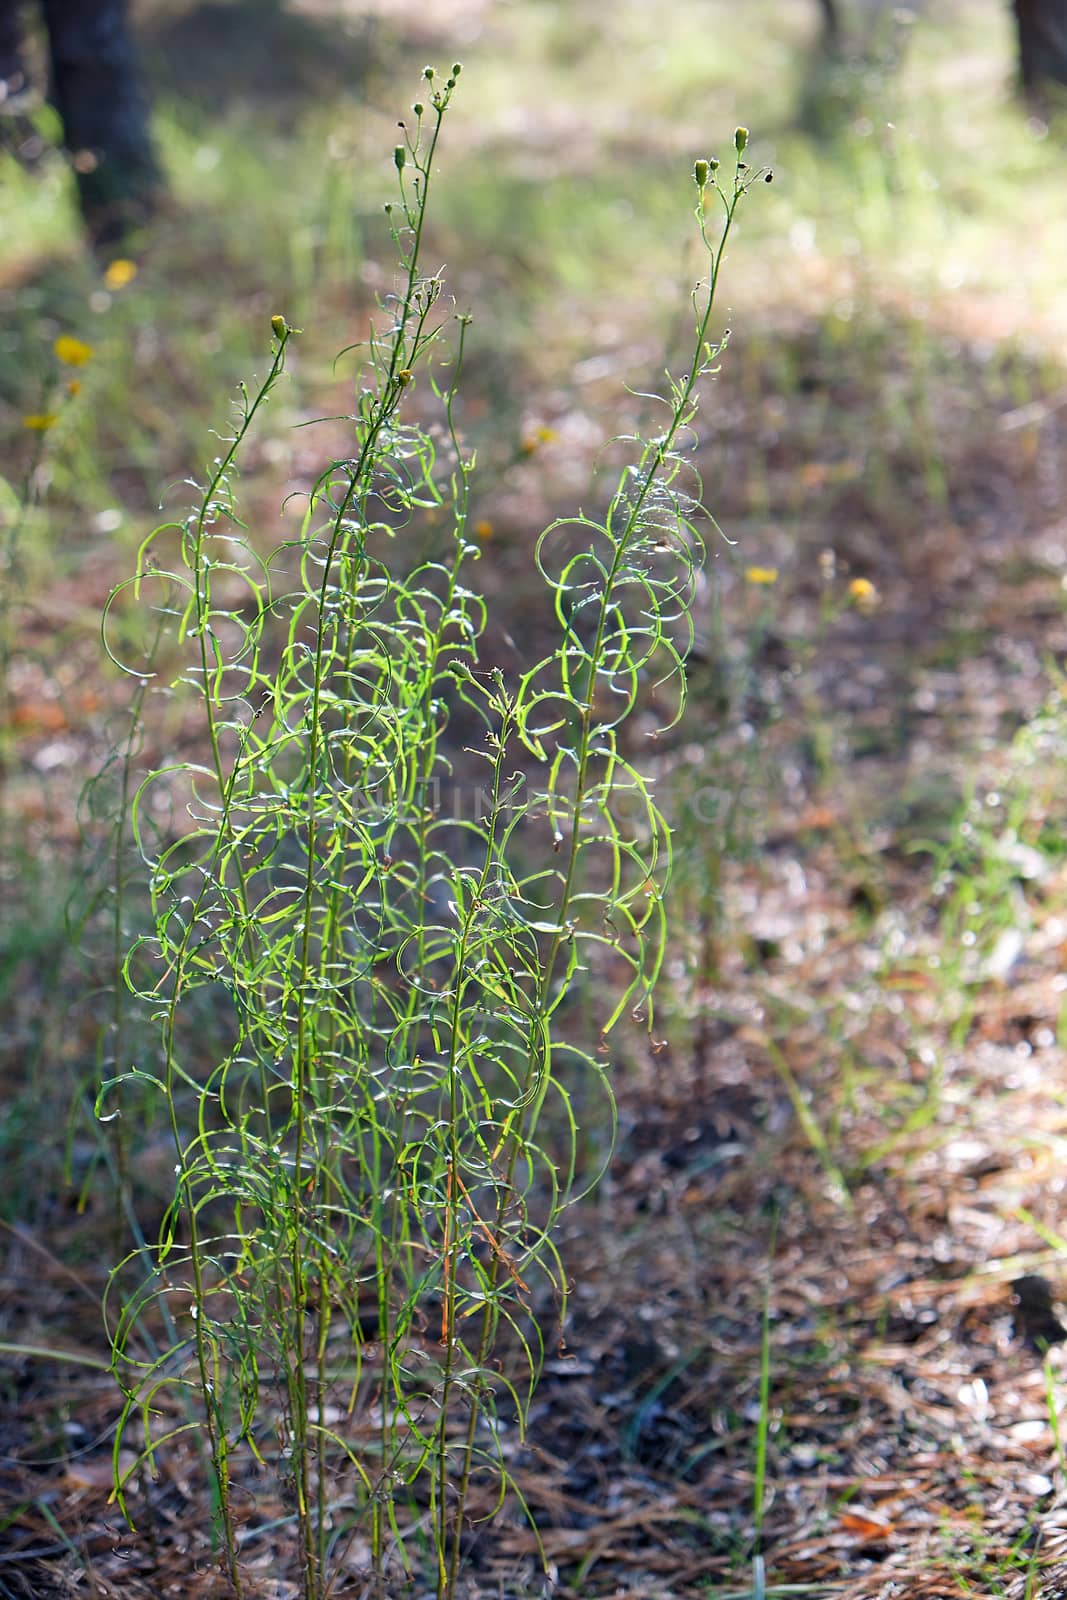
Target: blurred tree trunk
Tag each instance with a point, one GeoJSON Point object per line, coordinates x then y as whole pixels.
{"type": "Point", "coordinates": [96, 89]}
{"type": "Point", "coordinates": [831, 26]}
{"type": "Point", "coordinates": [1042, 43]}
{"type": "Point", "coordinates": [12, 77]}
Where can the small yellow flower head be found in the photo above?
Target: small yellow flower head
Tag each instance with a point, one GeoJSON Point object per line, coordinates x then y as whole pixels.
{"type": "Point", "coordinates": [72, 352]}
{"type": "Point", "coordinates": [120, 273]}
{"type": "Point", "coordinates": [533, 441]}
{"type": "Point", "coordinates": [74, 386]}
{"type": "Point", "coordinates": [864, 595]}
{"type": "Point", "coordinates": [40, 421]}
{"type": "Point", "coordinates": [483, 530]}
{"type": "Point", "coordinates": [278, 327]}
{"type": "Point", "coordinates": [761, 575]}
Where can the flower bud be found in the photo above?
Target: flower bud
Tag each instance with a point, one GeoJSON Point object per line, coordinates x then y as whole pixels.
{"type": "Point", "coordinates": [400, 156]}
{"type": "Point", "coordinates": [428, 74]}
{"type": "Point", "coordinates": [457, 68]}
{"type": "Point", "coordinates": [700, 173]}
{"type": "Point", "coordinates": [418, 109]}
{"type": "Point", "coordinates": [279, 327]}
{"type": "Point", "coordinates": [740, 140]}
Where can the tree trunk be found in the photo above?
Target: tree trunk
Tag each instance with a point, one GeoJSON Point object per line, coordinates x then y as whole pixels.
{"type": "Point", "coordinates": [12, 76]}
{"type": "Point", "coordinates": [1042, 28]}
{"type": "Point", "coordinates": [831, 26]}
{"type": "Point", "coordinates": [96, 89]}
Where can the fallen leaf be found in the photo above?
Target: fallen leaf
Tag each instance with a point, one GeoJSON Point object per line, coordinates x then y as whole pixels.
{"type": "Point", "coordinates": [866, 1525]}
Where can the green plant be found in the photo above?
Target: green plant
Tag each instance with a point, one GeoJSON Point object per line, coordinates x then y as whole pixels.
{"type": "Point", "coordinates": [1000, 847]}
{"type": "Point", "coordinates": [759, 1480]}
{"type": "Point", "coordinates": [369, 1173]}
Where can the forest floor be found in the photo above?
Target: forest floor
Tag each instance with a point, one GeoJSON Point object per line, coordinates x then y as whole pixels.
{"type": "Point", "coordinates": [812, 1347]}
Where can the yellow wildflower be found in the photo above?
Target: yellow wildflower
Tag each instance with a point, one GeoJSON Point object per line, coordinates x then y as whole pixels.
{"type": "Point", "coordinates": [72, 352]}
{"type": "Point", "coordinates": [483, 530]}
{"type": "Point", "coordinates": [74, 386]}
{"type": "Point", "coordinates": [764, 575]}
{"type": "Point", "coordinates": [120, 273]}
{"type": "Point", "coordinates": [864, 594]}
{"type": "Point", "coordinates": [40, 421]}
{"type": "Point", "coordinates": [533, 441]}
